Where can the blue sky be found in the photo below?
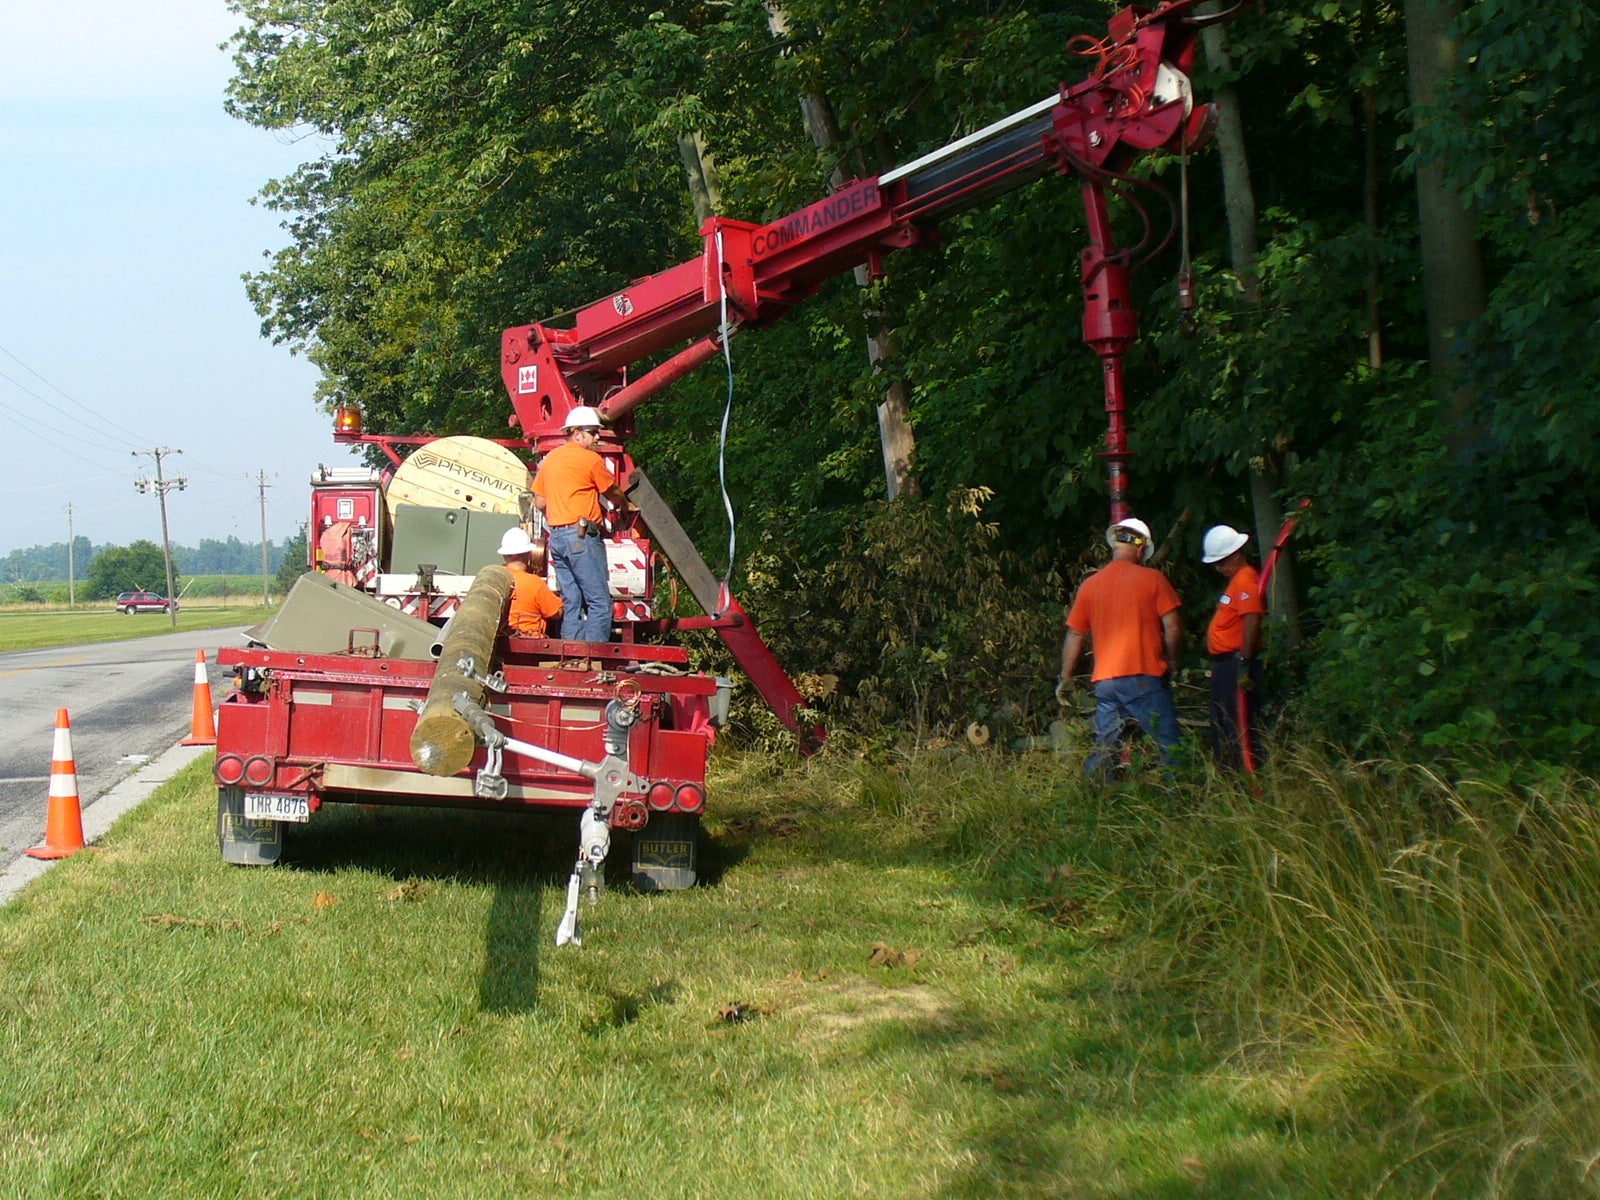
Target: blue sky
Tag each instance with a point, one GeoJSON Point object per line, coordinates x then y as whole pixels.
{"type": "Point", "coordinates": [125, 224]}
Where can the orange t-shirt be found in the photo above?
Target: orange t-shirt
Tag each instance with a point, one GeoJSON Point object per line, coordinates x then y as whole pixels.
{"type": "Point", "coordinates": [1120, 607]}
{"type": "Point", "coordinates": [571, 479]}
{"type": "Point", "coordinates": [532, 603]}
{"type": "Point", "coordinates": [1242, 597]}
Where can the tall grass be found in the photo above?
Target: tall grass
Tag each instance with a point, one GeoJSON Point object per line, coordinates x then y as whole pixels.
{"type": "Point", "coordinates": [1431, 944]}
{"type": "Point", "coordinates": [1371, 947]}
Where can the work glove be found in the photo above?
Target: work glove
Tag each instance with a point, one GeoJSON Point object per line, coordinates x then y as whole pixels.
{"type": "Point", "coordinates": [1066, 689]}
{"type": "Point", "coordinates": [1245, 682]}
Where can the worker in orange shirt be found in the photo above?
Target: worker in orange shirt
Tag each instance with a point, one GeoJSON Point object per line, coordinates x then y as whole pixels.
{"type": "Point", "coordinates": [1234, 642]}
{"type": "Point", "coordinates": [533, 604]}
{"type": "Point", "coordinates": [567, 490]}
{"type": "Point", "coordinates": [1132, 616]}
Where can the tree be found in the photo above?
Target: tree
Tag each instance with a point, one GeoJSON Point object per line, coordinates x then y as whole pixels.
{"type": "Point", "coordinates": [138, 567]}
{"type": "Point", "coordinates": [295, 562]}
{"type": "Point", "coordinates": [1452, 261]}
{"type": "Point", "coordinates": [466, 191]}
{"type": "Point", "coordinates": [494, 163]}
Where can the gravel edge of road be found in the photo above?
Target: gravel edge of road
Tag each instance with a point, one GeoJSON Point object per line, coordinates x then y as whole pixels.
{"type": "Point", "coordinates": [100, 816]}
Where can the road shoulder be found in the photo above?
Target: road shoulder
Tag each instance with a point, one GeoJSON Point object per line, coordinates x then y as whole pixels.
{"type": "Point", "coordinates": [100, 816]}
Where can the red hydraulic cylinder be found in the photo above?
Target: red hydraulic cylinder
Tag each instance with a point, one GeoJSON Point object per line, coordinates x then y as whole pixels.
{"type": "Point", "coordinates": [1110, 326]}
{"type": "Point", "coordinates": [621, 403]}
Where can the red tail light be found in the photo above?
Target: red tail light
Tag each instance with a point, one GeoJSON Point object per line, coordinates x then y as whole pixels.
{"type": "Point", "coordinates": [229, 769]}
{"type": "Point", "coordinates": [691, 799]}
{"type": "Point", "coordinates": [258, 769]}
{"type": "Point", "coordinates": [659, 797]}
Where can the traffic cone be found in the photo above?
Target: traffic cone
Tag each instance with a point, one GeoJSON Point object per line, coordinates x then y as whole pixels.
{"type": "Point", "coordinates": [63, 827]}
{"type": "Point", "coordinates": [203, 725]}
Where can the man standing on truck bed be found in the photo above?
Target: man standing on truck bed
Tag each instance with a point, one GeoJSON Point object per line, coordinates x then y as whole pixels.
{"type": "Point", "coordinates": [567, 490]}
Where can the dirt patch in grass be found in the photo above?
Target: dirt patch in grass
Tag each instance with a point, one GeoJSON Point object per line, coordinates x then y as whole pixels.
{"type": "Point", "coordinates": [833, 1007]}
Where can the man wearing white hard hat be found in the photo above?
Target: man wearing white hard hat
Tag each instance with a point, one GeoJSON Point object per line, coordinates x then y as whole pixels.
{"type": "Point", "coordinates": [1234, 641]}
{"type": "Point", "coordinates": [1131, 615]}
{"type": "Point", "coordinates": [533, 604]}
{"type": "Point", "coordinates": [567, 489]}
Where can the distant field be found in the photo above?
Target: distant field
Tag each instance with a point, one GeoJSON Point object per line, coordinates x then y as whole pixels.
{"type": "Point", "coordinates": [33, 626]}
{"type": "Point", "coordinates": [52, 593]}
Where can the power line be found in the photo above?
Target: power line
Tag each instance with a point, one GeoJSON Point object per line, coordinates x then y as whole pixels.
{"type": "Point", "coordinates": [75, 481]}
{"type": "Point", "coordinates": [137, 437]}
{"type": "Point", "coordinates": [77, 436]}
{"type": "Point", "coordinates": [82, 512]}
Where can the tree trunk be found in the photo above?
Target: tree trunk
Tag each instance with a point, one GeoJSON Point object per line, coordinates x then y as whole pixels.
{"type": "Point", "coordinates": [701, 170]}
{"type": "Point", "coordinates": [1266, 471]}
{"type": "Point", "coordinates": [895, 431]}
{"type": "Point", "coordinates": [1452, 261]}
{"type": "Point", "coordinates": [1369, 209]}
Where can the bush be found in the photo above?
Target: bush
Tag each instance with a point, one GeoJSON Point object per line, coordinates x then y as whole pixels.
{"type": "Point", "coordinates": [923, 621]}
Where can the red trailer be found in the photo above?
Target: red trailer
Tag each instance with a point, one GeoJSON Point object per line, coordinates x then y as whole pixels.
{"type": "Point", "coordinates": [619, 731]}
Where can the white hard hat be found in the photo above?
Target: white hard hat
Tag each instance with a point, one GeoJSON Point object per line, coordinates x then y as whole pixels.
{"type": "Point", "coordinates": [1221, 541]}
{"type": "Point", "coordinates": [582, 417]}
{"type": "Point", "coordinates": [1137, 527]}
{"type": "Point", "coordinates": [516, 541]}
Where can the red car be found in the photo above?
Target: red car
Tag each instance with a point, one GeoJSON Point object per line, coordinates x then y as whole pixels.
{"type": "Point", "coordinates": [132, 602]}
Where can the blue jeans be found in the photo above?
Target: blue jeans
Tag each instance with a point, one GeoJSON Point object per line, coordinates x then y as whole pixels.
{"type": "Point", "coordinates": [1226, 699]}
{"type": "Point", "coordinates": [1145, 699]}
{"type": "Point", "coordinates": [583, 577]}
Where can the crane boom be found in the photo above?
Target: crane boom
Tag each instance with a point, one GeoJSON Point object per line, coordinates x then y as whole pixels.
{"type": "Point", "coordinates": [1137, 99]}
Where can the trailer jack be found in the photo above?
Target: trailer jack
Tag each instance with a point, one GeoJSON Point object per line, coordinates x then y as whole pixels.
{"type": "Point", "coordinates": [610, 777]}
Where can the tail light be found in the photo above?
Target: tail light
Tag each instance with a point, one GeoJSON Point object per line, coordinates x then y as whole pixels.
{"type": "Point", "coordinates": [229, 769]}
{"type": "Point", "coordinates": [258, 770]}
{"type": "Point", "coordinates": [691, 798]}
{"type": "Point", "coordinates": [659, 797]}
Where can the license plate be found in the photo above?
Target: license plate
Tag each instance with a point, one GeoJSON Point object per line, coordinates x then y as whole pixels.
{"type": "Point", "coordinates": [259, 806]}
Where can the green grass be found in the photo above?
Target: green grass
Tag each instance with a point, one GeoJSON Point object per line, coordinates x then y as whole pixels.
{"type": "Point", "coordinates": [1074, 996]}
{"type": "Point", "coordinates": [30, 629]}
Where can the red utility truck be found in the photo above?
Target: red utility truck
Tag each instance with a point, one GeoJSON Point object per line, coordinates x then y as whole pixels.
{"type": "Point", "coordinates": [326, 704]}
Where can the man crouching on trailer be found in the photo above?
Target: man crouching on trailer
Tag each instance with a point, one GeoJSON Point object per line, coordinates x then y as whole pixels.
{"type": "Point", "coordinates": [533, 604]}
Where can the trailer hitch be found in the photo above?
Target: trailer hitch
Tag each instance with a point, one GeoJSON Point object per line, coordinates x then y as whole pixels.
{"type": "Point", "coordinates": [610, 777]}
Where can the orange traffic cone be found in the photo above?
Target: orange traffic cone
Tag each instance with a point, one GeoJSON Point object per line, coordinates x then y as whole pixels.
{"type": "Point", "coordinates": [63, 827]}
{"type": "Point", "coordinates": [203, 726]}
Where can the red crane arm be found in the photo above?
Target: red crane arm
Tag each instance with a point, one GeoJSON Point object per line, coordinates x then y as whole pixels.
{"type": "Point", "coordinates": [1137, 99]}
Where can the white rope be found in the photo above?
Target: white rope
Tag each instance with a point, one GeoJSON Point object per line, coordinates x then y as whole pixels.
{"type": "Point", "coordinates": [724, 597]}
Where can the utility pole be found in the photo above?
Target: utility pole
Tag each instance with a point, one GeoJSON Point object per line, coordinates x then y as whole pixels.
{"type": "Point", "coordinates": [161, 486]}
{"type": "Point", "coordinates": [72, 594]}
{"type": "Point", "coordinates": [261, 482]}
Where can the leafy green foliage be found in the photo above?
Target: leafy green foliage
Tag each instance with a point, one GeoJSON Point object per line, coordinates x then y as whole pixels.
{"type": "Point", "coordinates": [926, 619]}
{"type": "Point", "coordinates": [296, 562]}
{"type": "Point", "coordinates": [493, 163]}
{"type": "Point", "coordinates": [137, 567]}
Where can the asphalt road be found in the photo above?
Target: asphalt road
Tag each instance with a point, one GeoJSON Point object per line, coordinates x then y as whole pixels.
{"type": "Point", "coordinates": [128, 701]}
